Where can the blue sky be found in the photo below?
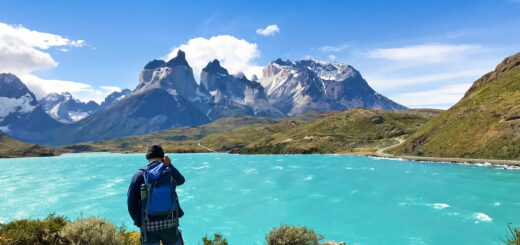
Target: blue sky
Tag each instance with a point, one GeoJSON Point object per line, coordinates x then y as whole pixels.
{"type": "Point", "coordinates": [419, 53]}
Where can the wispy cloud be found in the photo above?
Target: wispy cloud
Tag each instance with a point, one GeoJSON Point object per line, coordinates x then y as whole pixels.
{"type": "Point", "coordinates": [384, 83]}
{"type": "Point", "coordinates": [268, 30]}
{"type": "Point", "coordinates": [339, 48]}
{"type": "Point", "coordinates": [442, 98]}
{"type": "Point", "coordinates": [236, 55]}
{"type": "Point", "coordinates": [423, 53]}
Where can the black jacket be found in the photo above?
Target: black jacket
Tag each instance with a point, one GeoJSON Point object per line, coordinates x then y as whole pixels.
{"type": "Point", "coordinates": [134, 194]}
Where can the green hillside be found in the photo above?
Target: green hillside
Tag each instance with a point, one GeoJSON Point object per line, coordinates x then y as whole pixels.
{"type": "Point", "coordinates": [356, 130]}
{"type": "Point", "coordinates": [13, 148]}
{"type": "Point", "coordinates": [352, 131]}
{"type": "Point", "coordinates": [183, 138]}
{"type": "Point", "coordinates": [484, 124]}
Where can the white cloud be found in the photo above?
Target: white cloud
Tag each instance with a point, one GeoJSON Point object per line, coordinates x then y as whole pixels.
{"type": "Point", "coordinates": [332, 57]}
{"type": "Point", "coordinates": [23, 51]}
{"type": "Point", "coordinates": [82, 91]}
{"type": "Point", "coordinates": [268, 30]}
{"type": "Point", "coordinates": [111, 88]}
{"type": "Point", "coordinates": [333, 48]}
{"type": "Point", "coordinates": [443, 97]}
{"type": "Point", "coordinates": [385, 83]}
{"type": "Point", "coordinates": [423, 53]}
{"type": "Point", "coordinates": [236, 55]}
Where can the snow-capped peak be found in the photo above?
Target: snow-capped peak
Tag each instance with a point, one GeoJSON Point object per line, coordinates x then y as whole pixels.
{"type": "Point", "coordinates": [323, 69]}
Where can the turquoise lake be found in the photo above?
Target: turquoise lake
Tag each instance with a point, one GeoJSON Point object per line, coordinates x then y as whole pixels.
{"type": "Point", "coordinates": [355, 199]}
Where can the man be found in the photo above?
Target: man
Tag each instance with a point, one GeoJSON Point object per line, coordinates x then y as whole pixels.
{"type": "Point", "coordinates": [163, 226]}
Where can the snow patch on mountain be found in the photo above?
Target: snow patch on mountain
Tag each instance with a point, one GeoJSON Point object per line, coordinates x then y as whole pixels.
{"type": "Point", "coordinates": [78, 115]}
{"type": "Point", "coordinates": [15, 105]}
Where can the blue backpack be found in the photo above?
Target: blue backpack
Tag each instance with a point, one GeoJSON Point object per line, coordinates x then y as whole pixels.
{"type": "Point", "coordinates": [160, 191]}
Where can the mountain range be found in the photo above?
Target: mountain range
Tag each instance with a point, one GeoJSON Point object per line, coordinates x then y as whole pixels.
{"type": "Point", "coordinates": [168, 96]}
{"type": "Point", "coordinates": [64, 108]}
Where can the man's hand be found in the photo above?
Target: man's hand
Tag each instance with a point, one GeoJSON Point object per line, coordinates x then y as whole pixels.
{"type": "Point", "coordinates": [167, 160]}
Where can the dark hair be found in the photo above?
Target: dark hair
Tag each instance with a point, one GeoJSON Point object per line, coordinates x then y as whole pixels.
{"type": "Point", "coordinates": [154, 151]}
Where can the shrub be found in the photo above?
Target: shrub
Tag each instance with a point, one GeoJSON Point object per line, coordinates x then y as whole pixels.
{"type": "Point", "coordinates": [293, 235]}
{"type": "Point", "coordinates": [26, 231]}
{"type": "Point", "coordinates": [513, 237]}
{"type": "Point", "coordinates": [218, 239]}
{"type": "Point", "coordinates": [132, 237]}
{"type": "Point", "coordinates": [93, 231]}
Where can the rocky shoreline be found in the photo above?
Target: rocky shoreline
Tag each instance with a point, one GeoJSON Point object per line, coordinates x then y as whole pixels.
{"type": "Point", "coordinates": [491, 162]}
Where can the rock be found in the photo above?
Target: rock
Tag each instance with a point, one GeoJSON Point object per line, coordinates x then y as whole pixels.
{"type": "Point", "coordinates": [333, 243]}
{"type": "Point", "coordinates": [377, 119]}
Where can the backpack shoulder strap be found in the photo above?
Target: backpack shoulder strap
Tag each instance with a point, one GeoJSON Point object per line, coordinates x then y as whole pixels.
{"type": "Point", "coordinates": [145, 174]}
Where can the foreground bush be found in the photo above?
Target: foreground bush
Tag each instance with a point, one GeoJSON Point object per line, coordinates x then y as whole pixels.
{"type": "Point", "coordinates": [57, 230]}
{"type": "Point", "coordinates": [92, 231]}
{"type": "Point", "coordinates": [293, 235]}
{"type": "Point", "coordinates": [25, 231]}
{"type": "Point", "coordinates": [514, 236]}
{"type": "Point", "coordinates": [218, 239]}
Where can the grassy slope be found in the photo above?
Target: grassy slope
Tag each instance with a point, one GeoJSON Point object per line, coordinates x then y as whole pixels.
{"type": "Point", "coordinates": [356, 130]}
{"type": "Point", "coordinates": [13, 148]}
{"type": "Point", "coordinates": [352, 131]}
{"type": "Point", "coordinates": [484, 124]}
{"type": "Point", "coordinates": [173, 140]}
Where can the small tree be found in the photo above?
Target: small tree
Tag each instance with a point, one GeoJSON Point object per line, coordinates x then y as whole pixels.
{"type": "Point", "coordinates": [293, 235]}
{"type": "Point", "coordinates": [218, 239]}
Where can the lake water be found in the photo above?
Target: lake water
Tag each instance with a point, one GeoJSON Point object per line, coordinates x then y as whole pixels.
{"type": "Point", "coordinates": [355, 199]}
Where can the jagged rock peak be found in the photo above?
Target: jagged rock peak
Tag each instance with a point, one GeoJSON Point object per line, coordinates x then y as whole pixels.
{"type": "Point", "coordinates": [215, 67]}
{"type": "Point", "coordinates": [11, 86]}
{"type": "Point", "coordinates": [8, 78]}
{"type": "Point", "coordinates": [279, 61]}
{"type": "Point", "coordinates": [115, 96]}
{"type": "Point", "coordinates": [155, 64]}
{"type": "Point", "coordinates": [240, 75]}
{"type": "Point", "coordinates": [180, 59]}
